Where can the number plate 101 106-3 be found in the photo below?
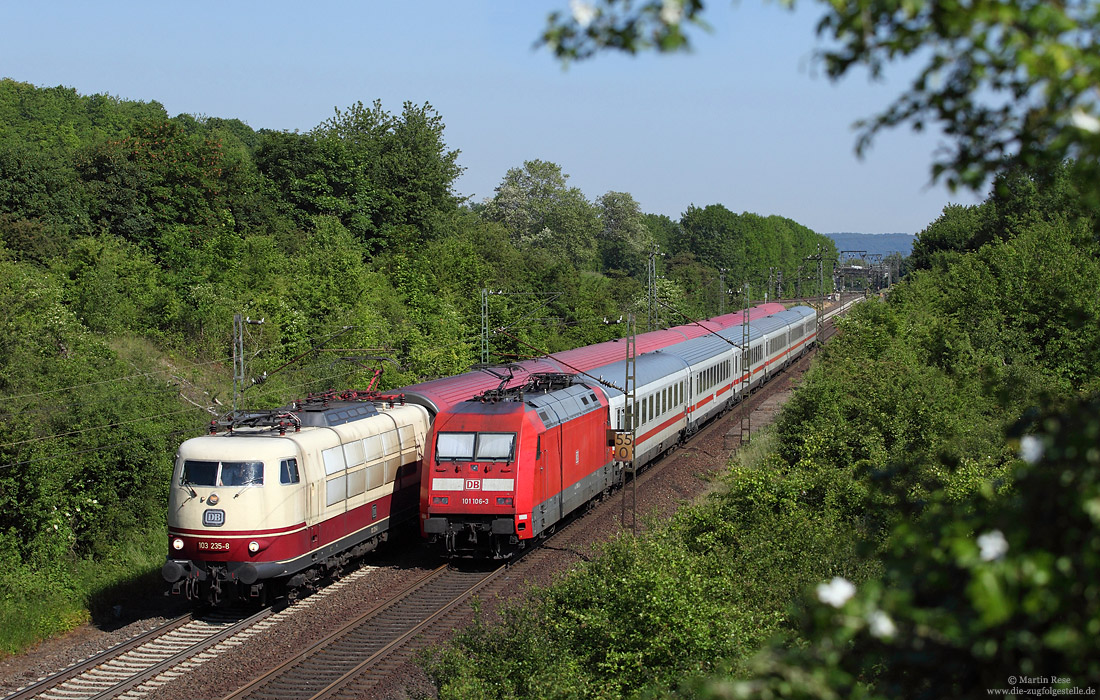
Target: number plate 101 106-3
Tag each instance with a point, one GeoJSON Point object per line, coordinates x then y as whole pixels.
{"type": "Point", "coordinates": [213, 518]}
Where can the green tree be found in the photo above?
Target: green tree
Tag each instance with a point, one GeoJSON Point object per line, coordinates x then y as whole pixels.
{"type": "Point", "coordinates": [391, 173]}
{"type": "Point", "coordinates": [625, 240]}
{"type": "Point", "coordinates": [542, 212]}
{"type": "Point", "coordinates": [950, 232]}
{"type": "Point", "coordinates": [712, 235]}
{"type": "Point", "coordinates": [663, 230]}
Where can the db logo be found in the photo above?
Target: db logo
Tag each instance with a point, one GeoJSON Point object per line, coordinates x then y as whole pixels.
{"type": "Point", "coordinates": [473, 484]}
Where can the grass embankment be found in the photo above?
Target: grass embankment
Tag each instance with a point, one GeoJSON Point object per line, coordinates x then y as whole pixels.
{"type": "Point", "coordinates": [48, 600]}
{"type": "Point", "coordinates": [693, 597]}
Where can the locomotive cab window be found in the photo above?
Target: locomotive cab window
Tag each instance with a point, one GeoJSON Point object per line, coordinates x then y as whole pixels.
{"type": "Point", "coordinates": [242, 474]}
{"type": "Point", "coordinates": [203, 473]}
{"type": "Point", "coordinates": [288, 471]}
{"type": "Point", "coordinates": [496, 446]}
{"type": "Point", "coordinates": [450, 447]}
{"type": "Point", "coordinates": [199, 473]}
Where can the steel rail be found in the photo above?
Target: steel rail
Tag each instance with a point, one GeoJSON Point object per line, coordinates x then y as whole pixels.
{"type": "Point", "coordinates": [96, 659]}
{"type": "Point", "coordinates": [285, 670]}
{"type": "Point", "coordinates": [131, 663]}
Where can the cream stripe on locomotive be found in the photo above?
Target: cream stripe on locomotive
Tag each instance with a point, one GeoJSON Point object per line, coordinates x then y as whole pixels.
{"type": "Point", "coordinates": [448, 484]}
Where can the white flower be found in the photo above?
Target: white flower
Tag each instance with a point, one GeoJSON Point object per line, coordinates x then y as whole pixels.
{"type": "Point", "coordinates": [583, 12]}
{"type": "Point", "coordinates": [1085, 121]}
{"type": "Point", "coordinates": [993, 545]}
{"type": "Point", "coordinates": [880, 625]}
{"type": "Point", "coordinates": [672, 11]}
{"type": "Point", "coordinates": [836, 592]}
{"type": "Point", "coordinates": [1031, 449]}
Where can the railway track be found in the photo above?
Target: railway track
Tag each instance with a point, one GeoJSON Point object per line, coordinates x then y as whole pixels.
{"type": "Point", "coordinates": [350, 660]}
{"type": "Point", "coordinates": [137, 667]}
{"type": "Point", "coordinates": [116, 671]}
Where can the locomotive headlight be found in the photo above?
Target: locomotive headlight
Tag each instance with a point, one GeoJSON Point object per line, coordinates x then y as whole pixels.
{"type": "Point", "coordinates": [253, 546]}
{"type": "Point", "coordinates": [177, 544]}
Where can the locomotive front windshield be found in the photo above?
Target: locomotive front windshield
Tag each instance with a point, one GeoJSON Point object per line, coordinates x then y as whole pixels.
{"type": "Point", "coordinates": [455, 446]}
{"type": "Point", "coordinates": [204, 473]}
{"type": "Point", "coordinates": [495, 446]}
{"type": "Point", "coordinates": [490, 447]}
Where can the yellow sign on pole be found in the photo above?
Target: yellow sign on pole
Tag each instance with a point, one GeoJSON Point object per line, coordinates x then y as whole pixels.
{"type": "Point", "coordinates": [624, 446]}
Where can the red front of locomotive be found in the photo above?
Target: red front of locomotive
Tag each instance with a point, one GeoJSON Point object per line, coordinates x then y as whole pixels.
{"type": "Point", "coordinates": [501, 472]}
{"type": "Point", "coordinates": [475, 493]}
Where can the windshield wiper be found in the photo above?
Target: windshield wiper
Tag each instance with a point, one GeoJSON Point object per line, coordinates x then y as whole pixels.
{"type": "Point", "coordinates": [251, 482]}
{"type": "Point", "coordinates": [187, 484]}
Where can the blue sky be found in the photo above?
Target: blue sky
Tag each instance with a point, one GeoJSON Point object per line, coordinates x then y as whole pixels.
{"type": "Point", "coordinates": [747, 120]}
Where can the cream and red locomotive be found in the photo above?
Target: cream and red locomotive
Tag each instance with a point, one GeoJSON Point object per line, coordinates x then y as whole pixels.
{"type": "Point", "coordinates": [286, 495]}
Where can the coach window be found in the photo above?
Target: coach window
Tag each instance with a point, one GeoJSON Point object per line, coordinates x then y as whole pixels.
{"type": "Point", "coordinates": [288, 471]}
{"type": "Point", "coordinates": [452, 447]}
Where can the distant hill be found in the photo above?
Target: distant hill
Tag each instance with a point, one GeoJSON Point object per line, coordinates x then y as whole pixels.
{"type": "Point", "coordinates": [884, 243]}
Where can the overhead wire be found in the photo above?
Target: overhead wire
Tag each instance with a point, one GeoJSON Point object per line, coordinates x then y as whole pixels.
{"type": "Point", "coordinates": [108, 381]}
{"type": "Point", "coordinates": [152, 373]}
{"type": "Point", "coordinates": [194, 407]}
{"type": "Point", "coordinates": [157, 435]}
